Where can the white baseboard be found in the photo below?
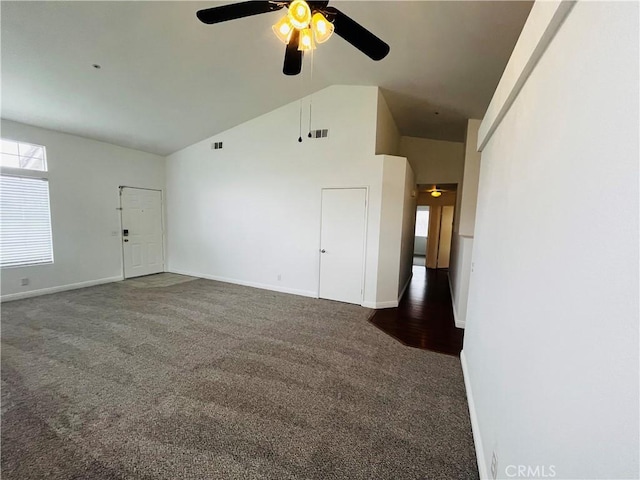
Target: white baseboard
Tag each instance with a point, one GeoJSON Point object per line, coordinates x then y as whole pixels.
{"type": "Point", "coordinates": [475, 428]}
{"type": "Point", "coordinates": [377, 305]}
{"type": "Point", "coordinates": [460, 323]}
{"type": "Point", "coordinates": [262, 286]}
{"type": "Point", "coordinates": [404, 289]}
{"type": "Point", "coordinates": [390, 303]}
{"type": "Point", "coordinates": [61, 288]}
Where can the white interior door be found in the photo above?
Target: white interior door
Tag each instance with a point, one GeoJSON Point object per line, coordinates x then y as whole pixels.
{"type": "Point", "coordinates": [141, 231]}
{"type": "Point", "coordinates": [342, 244]}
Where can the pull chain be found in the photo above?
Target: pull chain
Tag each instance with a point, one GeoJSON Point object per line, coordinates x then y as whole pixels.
{"type": "Point", "coordinates": [300, 128]}
{"type": "Point", "coordinates": [311, 96]}
{"type": "Point", "coordinates": [300, 124]}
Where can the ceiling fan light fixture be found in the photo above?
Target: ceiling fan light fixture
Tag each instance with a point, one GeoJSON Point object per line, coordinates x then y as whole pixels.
{"type": "Point", "coordinates": [299, 14]}
{"type": "Point", "coordinates": [283, 29]}
{"type": "Point", "coordinates": [306, 42]}
{"type": "Point", "coordinates": [322, 28]}
{"type": "Point", "coordinates": [436, 193]}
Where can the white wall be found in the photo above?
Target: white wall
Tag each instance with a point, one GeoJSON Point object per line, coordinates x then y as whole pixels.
{"type": "Point", "coordinates": [434, 161]}
{"type": "Point", "coordinates": [462, 241]}
{"type": "Point", "coordinates": [84, 176]}
{"type": "Point", "coordinates": [251, 212]}
{"type": "Point", "coordinates": [551, 344]}
{"type": "Point", "coordinates": [387, 134]}
{"type": "Point", "coordinates": [470, 178]}
{"type": "Point", "coordinates": [459, 276]}
{"type": "Point", "coordinates": [393, 244]}
{"type": "Point", "coordinates": [408, 229]}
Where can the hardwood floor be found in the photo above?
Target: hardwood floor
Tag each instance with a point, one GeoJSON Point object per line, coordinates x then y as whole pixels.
{"type": "Point", "coordinates": [424, 318]}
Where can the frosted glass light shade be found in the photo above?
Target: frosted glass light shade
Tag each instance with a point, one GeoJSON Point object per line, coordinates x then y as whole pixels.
{"type": "Point", "coordinates": [299, 14]}
{"type": "Point", "coordinates": [283, 29]}
{"type": "Point", "coordinates": [306, 40]}
{"type": "Point", "coordinates": [322, 28]}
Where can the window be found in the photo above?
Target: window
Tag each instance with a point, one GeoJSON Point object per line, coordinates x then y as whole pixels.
{"type": "Point", "coordinates": [422, 222]}
{"type": "Point", "coordinates": [25, 218]}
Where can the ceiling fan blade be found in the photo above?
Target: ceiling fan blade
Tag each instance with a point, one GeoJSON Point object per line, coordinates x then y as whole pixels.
{"type": "Point", "coordinates": [293, 56]}
{"type": "Point", "coordinates": [357, 35]}
{"type": "Point", "coordinates": [236, 10]}
{"type": "Point", "coordinates": [317, 4]}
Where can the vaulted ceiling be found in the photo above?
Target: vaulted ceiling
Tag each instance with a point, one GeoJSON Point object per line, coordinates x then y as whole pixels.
{"type": "Point", "coordinates": [166, 80]}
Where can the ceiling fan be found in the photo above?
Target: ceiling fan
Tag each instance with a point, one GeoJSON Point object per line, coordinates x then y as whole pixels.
{"type": "Point", "coordinates": [306, 23]}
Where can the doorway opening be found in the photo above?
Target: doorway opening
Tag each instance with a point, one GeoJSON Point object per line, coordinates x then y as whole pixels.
{"type": "Point", "coordinates": [441, 233]}
{"type": "Point", "coordinates": [421, 236]}
{"type": "Point", "coordinates": [435, 214]}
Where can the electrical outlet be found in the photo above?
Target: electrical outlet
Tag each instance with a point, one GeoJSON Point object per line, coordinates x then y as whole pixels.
{"type": "Point", "coordinates": [279, 277]}
{"type": "Point", "coordinates": [24, 282]}
{"type": "Point", "coordinates": [494, 465]}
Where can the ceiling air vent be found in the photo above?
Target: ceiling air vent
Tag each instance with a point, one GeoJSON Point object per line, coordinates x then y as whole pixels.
{"type": "Point", "coordinates": [321, 133]}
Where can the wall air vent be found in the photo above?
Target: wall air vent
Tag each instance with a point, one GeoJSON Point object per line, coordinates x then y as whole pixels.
{"type": "Point", "coordinates": [216, 145]}
{"type": "Point", "coordinates": [321, 133]}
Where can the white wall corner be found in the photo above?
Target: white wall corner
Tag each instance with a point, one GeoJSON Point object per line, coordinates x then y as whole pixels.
{"type": "Point", "coordinates": [380, 305]}
{"type": "Point", "coordinates": [542, 24]}
{"type": "Point", "coordinates": [475, 428]}
{"type": "Point", "coordinates": [404, 288]}
{"type": "Point", "coordinates": [459, 322]}
{"type": "Point", "coordinates": [387, 133]}
{"type": "Point", "coordinates": [468, 191]}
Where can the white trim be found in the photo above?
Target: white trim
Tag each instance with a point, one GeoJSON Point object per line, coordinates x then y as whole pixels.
{"type": "Point", "coordinates": [390, 303]}
{"type": "Point", "coordinates": [162, 226]}
{"type": "Point", "coordinates": [404, 289]}
{"type": "Point", "coordinates": [61, 288]}
{"type": "Point", "coordinates": [378, 305]}
{"type": "Point", "coordinates": [475, 428]}
{"type": "Point", "coordinates": [542, 24]}
{"type": "Point", "coordinates": [262, 286]}
{"type": "Point", "coordinates": [459, 323]}
{"type": "Point", "coordinates": [25, 172]}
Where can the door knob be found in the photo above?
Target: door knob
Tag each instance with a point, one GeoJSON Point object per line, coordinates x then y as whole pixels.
{"type": "Point", "coordinates": [322, 251]}
{"type": "Point", "coordinates": [126, 239]}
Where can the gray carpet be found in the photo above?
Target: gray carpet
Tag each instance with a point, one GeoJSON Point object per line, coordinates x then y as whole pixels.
{"type": "Point", "coordinates": [158, 280]}
{"type": "Point", "coordinates": [206, 380]}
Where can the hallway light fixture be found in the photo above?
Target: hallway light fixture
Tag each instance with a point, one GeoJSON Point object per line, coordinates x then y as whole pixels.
{"type": "Point", "coordinates": [436, 193]}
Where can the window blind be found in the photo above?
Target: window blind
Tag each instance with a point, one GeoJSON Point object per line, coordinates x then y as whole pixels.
{"type": "Point", "coordinates": [25, 221]}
